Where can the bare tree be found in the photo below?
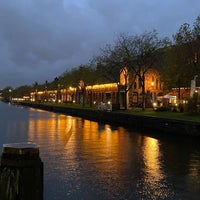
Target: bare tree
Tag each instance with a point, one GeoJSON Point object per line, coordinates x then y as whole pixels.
{"type": "Point", "coordinates": [140, 54]}
{"type": "Point", "coordinates": [137, 53]}
{"type": "Point", "coordinates": [110, 62]}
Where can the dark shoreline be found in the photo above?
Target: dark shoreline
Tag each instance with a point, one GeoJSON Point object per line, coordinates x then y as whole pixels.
{"type": "Point", "coordinates": [139, 123]}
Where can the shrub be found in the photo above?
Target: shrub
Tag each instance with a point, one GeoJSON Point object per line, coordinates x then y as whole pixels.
{"type": "Point", "coordinates": [163, 108]}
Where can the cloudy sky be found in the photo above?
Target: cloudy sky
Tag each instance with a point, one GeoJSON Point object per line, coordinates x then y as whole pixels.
{"type": "Point", "coordinates": [40, 39]}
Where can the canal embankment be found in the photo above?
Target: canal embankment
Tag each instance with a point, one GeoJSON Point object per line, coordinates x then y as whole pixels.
{"type": "Point", "coordinates": [136, 122]}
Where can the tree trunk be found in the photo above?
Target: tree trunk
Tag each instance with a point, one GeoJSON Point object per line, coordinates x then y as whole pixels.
{"type": "Point", "coordinates": [125, 99]}
{"type": "Point", "coordinates": [143, 92]}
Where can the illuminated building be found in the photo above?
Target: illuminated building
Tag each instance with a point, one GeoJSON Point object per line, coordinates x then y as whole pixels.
{"type": "Point", "coordinates": [126, 93]}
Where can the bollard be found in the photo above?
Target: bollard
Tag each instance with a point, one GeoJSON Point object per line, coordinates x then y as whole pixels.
{"type": "Point", "coordinates": [21, 172]}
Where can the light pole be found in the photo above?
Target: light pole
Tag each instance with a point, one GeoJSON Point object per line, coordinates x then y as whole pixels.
{"type": "Point", "coordinates": [10, 96]}
{"type": "Point", "coordinates": [125, 73]}
{"type": "Point", "coordinates": [193, 86]}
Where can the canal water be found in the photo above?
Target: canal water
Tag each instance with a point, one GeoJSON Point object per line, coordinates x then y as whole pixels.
{"type": "Point", "coordinates": [86, 160]}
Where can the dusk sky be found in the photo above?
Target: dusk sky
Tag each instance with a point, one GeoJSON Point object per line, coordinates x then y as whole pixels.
{"type": "Point", "coordinates": [41, 39]}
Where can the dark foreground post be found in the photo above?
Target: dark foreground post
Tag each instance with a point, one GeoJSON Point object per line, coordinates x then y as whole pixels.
{"type": "Point", "coordinates": [21, 172]}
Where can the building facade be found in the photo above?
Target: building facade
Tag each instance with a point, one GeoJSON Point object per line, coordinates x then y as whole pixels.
{"type": "Point", "coordinates": [130, 88]}
{"type": "Point", "coordinates": [124, 94]}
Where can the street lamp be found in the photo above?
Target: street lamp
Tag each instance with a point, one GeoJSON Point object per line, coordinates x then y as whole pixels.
{"type": "Point", "coordinates": [125, 73]}
{"type": "Point", "coordinates": [10, 96]}
{"type": "Point", "coordinates": [193, 86]}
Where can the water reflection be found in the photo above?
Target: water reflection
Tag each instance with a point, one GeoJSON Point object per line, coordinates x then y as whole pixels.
{"type": "Point", "coordinates": [194, 174]}
{"type": "Point", "coordinates": [105, 157]}
{"type": "Point", "coordinates": [152, 158]}
{"type": "Point", "coordinates": [153, 173]}
{"type": "Point", "coordinates": [52, 128]}
{"type": "Point", "coordinates": [86, 160]}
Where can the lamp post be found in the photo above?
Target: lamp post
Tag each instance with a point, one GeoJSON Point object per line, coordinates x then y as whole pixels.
{"type": "Point", "coordinates": [125, 73]}
{"type": "Point", "coordinates": [10, 96]}
{"type": "Point", "coordinates": [46, 94]}
{"type": "Point", "coordinates": [193, 85]}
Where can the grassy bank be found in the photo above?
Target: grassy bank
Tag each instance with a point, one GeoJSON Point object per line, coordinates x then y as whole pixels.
{"type": "Point", "coordinates": [138, 111]}
{"type": "Point", "coordinates": [166, 114]}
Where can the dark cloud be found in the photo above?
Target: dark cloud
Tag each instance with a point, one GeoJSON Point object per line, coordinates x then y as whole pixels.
{"type": "Point", "coordinates": [40, 39]}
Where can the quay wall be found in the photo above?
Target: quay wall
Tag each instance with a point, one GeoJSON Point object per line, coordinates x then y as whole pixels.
{"type": "Point", "coordinates": [136, 122]}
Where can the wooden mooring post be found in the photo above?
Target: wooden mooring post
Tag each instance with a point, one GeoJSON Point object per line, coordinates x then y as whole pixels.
{"type": "Point", "coordinates": [21, 172]}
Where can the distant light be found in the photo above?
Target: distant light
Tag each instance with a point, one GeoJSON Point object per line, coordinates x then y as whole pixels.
{"type": "Point", "coordinates": [154, 104]}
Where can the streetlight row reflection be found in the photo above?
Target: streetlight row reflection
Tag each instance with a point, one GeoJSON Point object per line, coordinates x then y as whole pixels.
{"type": "Point", "coordinates": [104, 149]}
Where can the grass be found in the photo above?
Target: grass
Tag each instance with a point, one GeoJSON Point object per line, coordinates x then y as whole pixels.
{"type": "Point", "coordinates": [73, 105]}
{"type": "Point", "coordinates": [166, 114]}
{"type": "Point", "coordinates": [139, 111]}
